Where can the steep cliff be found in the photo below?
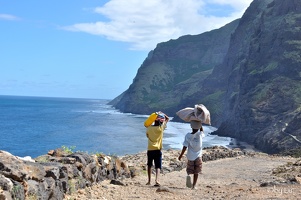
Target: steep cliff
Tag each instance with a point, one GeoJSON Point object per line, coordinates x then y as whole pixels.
{"type": "Point", "coordinates": [247, 73]}
{"type": "Point", "coordinates": [263, 68]}
{"type": "Point", "coordinates": [171, 76]}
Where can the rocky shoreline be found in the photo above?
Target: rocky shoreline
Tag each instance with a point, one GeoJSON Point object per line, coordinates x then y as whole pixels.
{"type": "Point", "coordinates": [61, 175]}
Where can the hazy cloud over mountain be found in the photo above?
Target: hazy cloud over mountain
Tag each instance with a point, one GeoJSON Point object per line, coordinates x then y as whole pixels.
{"type": "Point", "coordinates": [143, 24]}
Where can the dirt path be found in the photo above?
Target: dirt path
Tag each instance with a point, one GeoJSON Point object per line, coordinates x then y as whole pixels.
{"type": "Point", "coordinates": [229, 178]}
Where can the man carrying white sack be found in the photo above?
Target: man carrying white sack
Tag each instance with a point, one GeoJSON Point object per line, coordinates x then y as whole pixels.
{"type": "Point", "coordinates": [193, 142]}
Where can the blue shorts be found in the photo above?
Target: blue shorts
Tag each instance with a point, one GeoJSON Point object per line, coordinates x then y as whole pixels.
{"type": "Point", "coordinates": [156, 156]}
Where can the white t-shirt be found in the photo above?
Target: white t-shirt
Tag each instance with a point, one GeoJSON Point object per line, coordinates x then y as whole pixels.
{"type": "Point", "coordinates": [193, 142]}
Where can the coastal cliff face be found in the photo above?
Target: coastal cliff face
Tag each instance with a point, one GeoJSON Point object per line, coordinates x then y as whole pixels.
{"type": "Point", "coordinates": [172, 74]}
{"type": "Point", "coordinates": [247, 73]}
{"type": "Point", "coordinates": [262, 102]}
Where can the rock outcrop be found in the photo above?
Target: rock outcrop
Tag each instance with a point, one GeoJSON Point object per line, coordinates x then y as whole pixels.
{"type": "Point", "coordinates": [58, 174]}
{"type": "Point", "coordinates": [262, 100]}
{"type": "Point", "coordinates": [53, 176]}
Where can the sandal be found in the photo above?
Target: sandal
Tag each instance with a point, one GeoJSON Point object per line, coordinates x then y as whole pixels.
{"type": "Point", "coordinates": [157, 185]}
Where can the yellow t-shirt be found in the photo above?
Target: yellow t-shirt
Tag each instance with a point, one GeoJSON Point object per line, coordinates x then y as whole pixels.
{"type": "Point", "coordinates": [155, 136]}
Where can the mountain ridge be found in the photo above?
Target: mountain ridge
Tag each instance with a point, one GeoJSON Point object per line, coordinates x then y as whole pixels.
{"type": "Point", "coordinates": [247, 73]}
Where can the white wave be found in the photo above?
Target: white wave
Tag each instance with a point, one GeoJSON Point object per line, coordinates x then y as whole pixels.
{"type": "Point", "coordinates": [176, 131]}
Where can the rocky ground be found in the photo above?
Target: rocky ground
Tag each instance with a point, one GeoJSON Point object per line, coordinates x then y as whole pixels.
{"type": "Point", "coordinates": [250, 176]}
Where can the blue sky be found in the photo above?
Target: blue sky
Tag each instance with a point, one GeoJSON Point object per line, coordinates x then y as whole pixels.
{"type": "Point", "coordinates": [93, 49]}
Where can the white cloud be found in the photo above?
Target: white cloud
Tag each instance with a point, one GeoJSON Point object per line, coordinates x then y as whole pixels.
{"type": "Point", "coordinates": [8, 17]}
{"type": "Point", "coordinates": [143, 24]}
{"type": "Point", "coordinates": [238, 4]}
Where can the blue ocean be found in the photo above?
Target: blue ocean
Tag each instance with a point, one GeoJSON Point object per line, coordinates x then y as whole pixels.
{"type": "Point", "coordinates": [31, 126]}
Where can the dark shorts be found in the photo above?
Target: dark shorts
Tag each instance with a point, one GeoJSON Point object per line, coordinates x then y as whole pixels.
{"type": "Point", "coordinates": [194, 166]}
{"type": "Point", "coordinates": [156, 156]}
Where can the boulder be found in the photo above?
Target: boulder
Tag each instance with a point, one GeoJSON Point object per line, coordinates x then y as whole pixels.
{"type": "Point", "coordinates": [54, 175]}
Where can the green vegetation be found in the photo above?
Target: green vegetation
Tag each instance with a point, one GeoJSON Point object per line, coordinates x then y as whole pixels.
{"type": "Point", "coordinates": [187, 68]}
{"type": "Point", "coordinates": [240, 64]}
{"type": "Point", "coordinates": [271, 66]}
{"type": "Point", "coordinates": [16, 190]}
{"type": "Point", "coordinates": [233, 94]}
{"type": "Point", "coordinates": [72, 187]}
{"type": "Point", "coordinates": [253, 72]}
{"type": "Point", "coordinates": [32, 197]}
{"type": "Point", "coordinates": [296, 92]}
{"type": "Point", "coordinates": [293, 55]}
{"type": "Point", "coordinates": [292, 152]}
{"type": "Point", "coordinates": [68, 150]}
{"type": "Point", "coordinates": [296, 43]}
{"type": "Point", "coordinates": [293, 19]}
{"type": "Point", "coordinates": [214, 102]}
{"type": "Point", "coordinates": [261, 92]}
{"type": "Point", "coordinates": [98, 154]}
{"type": "Point", "coordinates": [42, 159]}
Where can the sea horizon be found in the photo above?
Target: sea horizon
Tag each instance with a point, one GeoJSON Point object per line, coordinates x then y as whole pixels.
{"type": "Point", "coordinates": [31, 126]}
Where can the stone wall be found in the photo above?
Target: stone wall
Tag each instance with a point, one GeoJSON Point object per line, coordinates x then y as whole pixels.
{"type": "Point", "coordinates": [56, 174]}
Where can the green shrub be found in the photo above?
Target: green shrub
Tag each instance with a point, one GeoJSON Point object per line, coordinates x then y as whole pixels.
{"type": "Point", "coordinates": [68, 150]}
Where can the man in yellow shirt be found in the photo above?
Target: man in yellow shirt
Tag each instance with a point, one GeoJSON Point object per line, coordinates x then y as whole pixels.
{"type": "Point", "coordinates": [154, 133]}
